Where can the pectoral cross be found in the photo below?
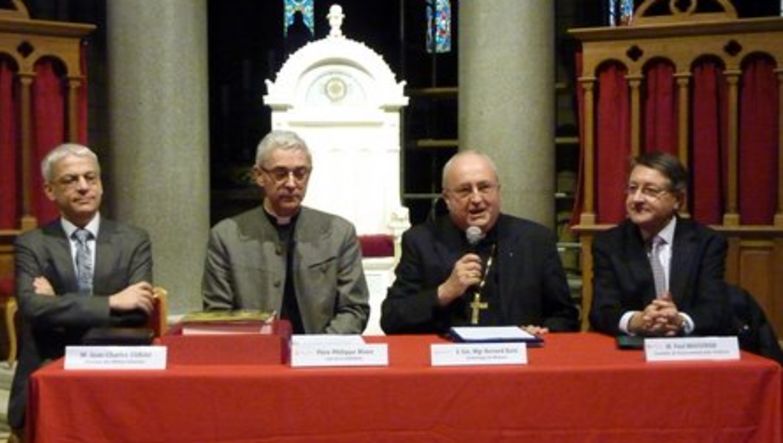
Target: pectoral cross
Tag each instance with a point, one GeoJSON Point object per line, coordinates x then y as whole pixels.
{"type": "Point", "coordinates": [476, 305]}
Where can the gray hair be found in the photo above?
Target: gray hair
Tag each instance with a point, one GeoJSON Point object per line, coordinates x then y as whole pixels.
{"type": "Point", "coordinates": [447, 167]}
{"type": "Point", "coordinates": [283, 140]}
{"type": "Point", "coordinates": [62, 151]}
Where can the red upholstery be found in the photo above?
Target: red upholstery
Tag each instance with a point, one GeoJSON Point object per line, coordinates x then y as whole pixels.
{"type": "Point", "coordinates": [379, 245]}
{"type": "Point", "coordinates": [6, 286]}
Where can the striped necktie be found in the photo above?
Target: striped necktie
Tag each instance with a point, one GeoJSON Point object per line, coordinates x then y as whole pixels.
{"type": "Point", "coordinates": [83, 261]}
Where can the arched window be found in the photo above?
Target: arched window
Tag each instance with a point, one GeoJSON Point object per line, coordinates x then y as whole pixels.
{"type": "Point", "coordinates": [303, 6]}
{"type": "Point", "coordinates": [440, 22]}
{"type": "Point", "coordinates": [620, 12]}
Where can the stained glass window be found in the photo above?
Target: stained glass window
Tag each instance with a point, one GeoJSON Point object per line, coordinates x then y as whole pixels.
{"type": "Point", "coordinates": [305, 7]}
{"type": "Point", "coordinates": [441, 23]}
{"type": "Point", "coordinates": [620, 12]}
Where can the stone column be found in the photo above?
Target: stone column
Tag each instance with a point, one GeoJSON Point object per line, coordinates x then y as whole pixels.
{"type": "Point", "coordinates": [507, 97]}
{"type": "Point", "coordinates": [158, 125]}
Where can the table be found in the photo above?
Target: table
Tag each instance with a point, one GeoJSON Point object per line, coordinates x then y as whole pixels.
{"type": "Point", "coordinates": [577, 387]}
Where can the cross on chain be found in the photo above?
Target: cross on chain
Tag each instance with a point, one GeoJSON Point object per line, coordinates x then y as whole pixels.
{"type": "Point", "coordinates": [477, 305]}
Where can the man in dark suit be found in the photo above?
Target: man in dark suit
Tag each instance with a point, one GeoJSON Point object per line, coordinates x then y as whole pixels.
{"type": "Point", "coordinates": [657, 274]}
{"type": "Point", "coordinates": [281, 256]}
{"type": "Point", "coordinates": [477, 266]}
{"type": "Point", "coordinates": [77, 272]}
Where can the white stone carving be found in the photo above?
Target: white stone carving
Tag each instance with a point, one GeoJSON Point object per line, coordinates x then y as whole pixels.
{"type": "Point", "coordinates": [335, 18]}
{"type": "Point", "coordinates": [343, 99]}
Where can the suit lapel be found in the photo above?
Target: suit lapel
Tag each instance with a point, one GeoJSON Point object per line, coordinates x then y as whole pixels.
{"type": "Point", "coordinates": [451, 245]}
{"type": "Point", "coordinates": [62, 260]}
{"type": "Point", "coordinates": [638, 263]}
{"type": "Point", "coordinates": [682, 260]}
{"type": "Point", "coordinates": [106, 250]}
{"type": "Point", "coordinates": [507, 259]}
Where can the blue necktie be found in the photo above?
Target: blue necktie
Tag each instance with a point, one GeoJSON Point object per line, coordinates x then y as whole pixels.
{"type": "Point", "coordinates": [83, 261]}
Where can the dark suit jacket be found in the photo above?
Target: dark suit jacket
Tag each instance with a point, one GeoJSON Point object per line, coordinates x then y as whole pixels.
{"type": "Point", "coordinates": [532, 283]}
{"type": "Point", "coordinates": [122, 257]}
{"type": "Point", "coordinates": [750, 324]}
{"type": "Point", "coordinates": [623, 279]}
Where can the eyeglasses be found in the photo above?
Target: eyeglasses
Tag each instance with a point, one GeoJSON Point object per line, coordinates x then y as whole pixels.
{"type": "Point", "coordinates": [465, 191]}
{"type": "Point", "coordinates": [281, 174]}
{"type": "Point", "coordinates": [650, 192]}
{"type": "Point", "coordinates": [73, 180]}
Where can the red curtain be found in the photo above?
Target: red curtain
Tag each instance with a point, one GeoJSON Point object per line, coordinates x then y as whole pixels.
{"type": "Point", "coordinates": [48, 100]}
{"type": "Point", "coordinates": [758, 137]}
{"type": "Point", "coordinates": [83, 94]}
{"type": "Point", "coordinates": [9, 195]}
{"type": "Point", "coordinates": [709, 142]}
{"type": "Point", "coordinates": [758, 155]}
{"type": "Point", "coordinates": [660, 108]}
{"type": "Point", "coordinates": [612, 144]}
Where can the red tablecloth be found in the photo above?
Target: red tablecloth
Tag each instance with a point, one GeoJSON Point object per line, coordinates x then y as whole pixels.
{"type": "Point", "coordinates": [577, 387]}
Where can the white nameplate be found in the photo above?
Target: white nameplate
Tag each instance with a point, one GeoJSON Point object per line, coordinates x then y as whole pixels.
{"type": "Point", "coordinates": [115, 357]}
{"type": "Point", "coordinates": [326, 339]}
{"type": "Point", "coordinates": [691, 348]}
{"type": "Point", "coordinates": [339, 354]}
{"type": "Point", "coordinates": [469, 354]}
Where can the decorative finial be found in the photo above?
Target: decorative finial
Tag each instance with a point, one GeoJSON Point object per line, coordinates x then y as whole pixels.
{"type": "Point", "coordinates": [336, 17]}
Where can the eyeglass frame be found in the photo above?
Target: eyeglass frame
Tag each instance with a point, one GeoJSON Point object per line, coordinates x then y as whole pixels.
{"type": "Point", "coordinates": [72, 181]}
{"type": "Point", "coordinates": [281, 174]}
{"type": "Point", "coordinates": [649, 192]}
{"type": "Point", "coordinates": [483, 189]}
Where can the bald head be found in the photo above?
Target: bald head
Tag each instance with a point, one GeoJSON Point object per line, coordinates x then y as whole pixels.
{"type": "Point", "coordinates": [471, 157]}
{"type": "Point", "coordinates": [471, 190]}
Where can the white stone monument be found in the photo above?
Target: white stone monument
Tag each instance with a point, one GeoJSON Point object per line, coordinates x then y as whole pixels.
{"type": "Point", "coordinates": [343, 99]}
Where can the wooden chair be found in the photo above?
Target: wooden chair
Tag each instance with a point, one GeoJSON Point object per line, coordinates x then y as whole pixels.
{"type": "Point", "coordinates": [681, 41]}
{"type": "Point", "coordinates": [158, 318]}
{"type": "Point", "coordinates": [8, 310]}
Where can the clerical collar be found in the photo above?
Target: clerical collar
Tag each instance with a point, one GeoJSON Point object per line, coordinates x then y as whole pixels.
{"type": "Point", "coordinates": [93, 226]}
{"type": "Point", "coordinates": [278, 220]}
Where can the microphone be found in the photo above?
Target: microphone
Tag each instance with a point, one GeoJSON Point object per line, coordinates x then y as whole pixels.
{"type": "Point", "coordinates": [474, 236]}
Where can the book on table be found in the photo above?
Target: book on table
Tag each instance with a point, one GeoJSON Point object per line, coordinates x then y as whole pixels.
{"type": "Point", "coordinates": [228, 322]}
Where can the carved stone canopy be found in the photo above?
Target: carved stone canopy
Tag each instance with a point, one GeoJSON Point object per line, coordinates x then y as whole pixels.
{"type": "Point", "coordinates": [344, 100]}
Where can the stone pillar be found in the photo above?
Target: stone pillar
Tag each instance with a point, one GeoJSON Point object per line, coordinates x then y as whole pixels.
{"type": "Point", "coordinates": [158, 175]}
{"type": "Point", "coordinates": [507, 98]}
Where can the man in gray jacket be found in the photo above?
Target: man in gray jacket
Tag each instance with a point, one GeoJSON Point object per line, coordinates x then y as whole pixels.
{"type": "Point", "coordinates": [302, 263]}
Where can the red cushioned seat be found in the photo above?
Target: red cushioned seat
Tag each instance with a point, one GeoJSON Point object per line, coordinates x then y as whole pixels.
{"type": "Point", "coordinates": [380, 245]}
